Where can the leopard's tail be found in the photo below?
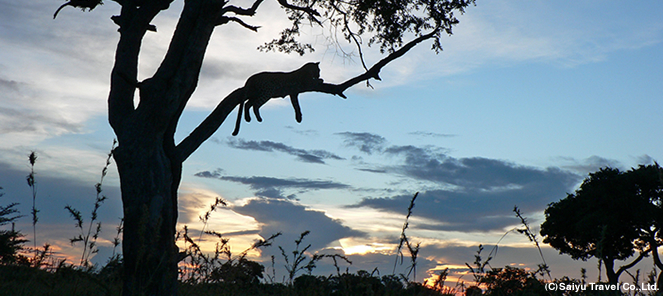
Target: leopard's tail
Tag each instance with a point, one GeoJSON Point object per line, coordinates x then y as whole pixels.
{"type": "Point", "coordinates": [239, 118]}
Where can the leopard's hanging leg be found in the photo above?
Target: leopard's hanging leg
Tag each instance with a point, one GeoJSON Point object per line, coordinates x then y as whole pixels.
{"type": "Point", "coordinates": [256, 112]}
{"type": "Point", "coordinates": [247, 115]}
{"type": "Point", "coordinates": [295, 105]}
{"type": "Point", "coordinates": [239, 118]}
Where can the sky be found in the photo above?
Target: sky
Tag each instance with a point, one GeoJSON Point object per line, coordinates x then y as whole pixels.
{"type": "Point", "coordinates": [525, 100]}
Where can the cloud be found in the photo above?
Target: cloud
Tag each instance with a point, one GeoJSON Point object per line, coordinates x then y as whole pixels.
{"type": "Point", "coordinates": [307, 133]}
{"type": "Point", "coordinates": [470, 194]}
{"type": "Point", "coordinates": [365, 142]}
{"type": "Point", "coordinates": [216, 69]}
{"type": "Point", "coordinates": [455, 256]}
{"type": "Point", "coordinates": [291, 220]}
{"type": "Point", "coordinates": [9, 85]}
{"type": "Point", "coordinates": [510, 34]}
{"type": "Point", "coordinates": [310, 156]}
{"type": "Point", "coordinates": [431, 134]}
{"type": "Point", "coordinates": [55, 225]}
{"type": "Point", "coordinates": [17, 117]}
{"type": "Point", "coordinates": [278, 215]}
{"type": "Point", "coordinates": [381, 171]}
{"type": "Point", "coordinates": [299, 183]}
{"type": "Point", "coordinates": [275, 187]}
{"type": "Point", "coordinates": [208, 174]}
{"type": "Point", "coordinates": [456, 194]}
{"type": "Point", "coordinates": [590, 164]}
{"type": "Point", "coordinates": [14, 120]}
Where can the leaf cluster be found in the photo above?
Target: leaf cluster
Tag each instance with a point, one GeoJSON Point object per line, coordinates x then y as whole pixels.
{"type": "Point", "coordinates": [386, 22]}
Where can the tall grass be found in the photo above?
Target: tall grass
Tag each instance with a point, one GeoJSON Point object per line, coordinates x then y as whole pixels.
{"type": "Point", "coordinates": [90, 237]}
{"type": "Point", "coordinates": [527, 231]}
{"type": "Point", "coordinates": [223, 272]}
{"type": "Point", "coordinates": [295, 264]}
{"type": "Point", "coordinates": [413, 249]}
{"type": "Point", "coordinates": [32, 158]}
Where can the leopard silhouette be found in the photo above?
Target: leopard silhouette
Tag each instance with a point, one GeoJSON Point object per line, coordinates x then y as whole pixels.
{"type": "Point", "coordinates": [264, 86]}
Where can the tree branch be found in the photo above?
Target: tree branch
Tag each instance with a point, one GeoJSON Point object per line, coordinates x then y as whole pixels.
{"type": "Point", "coordinates": [213, 121]}
{"type": "Point", "coordinates": [125, 69]}
{"type": "Point", "coordinates": [242, 11]}
{"type": "Point", "coordinates": [642, 255]}
{"type": "Point", "coordinates": [177, 76]}
{"type": "Point", "coordinates": [225, 19]}
{"type": "Point", "coordinates": [308, 10]}
{"type": "Point", "coordinates": [374, 71]}
{"type": "Point", "coordinates": [209, 126]}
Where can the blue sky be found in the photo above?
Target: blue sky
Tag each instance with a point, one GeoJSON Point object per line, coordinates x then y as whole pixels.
{"type": "Point", "coordinates": [525, 100]}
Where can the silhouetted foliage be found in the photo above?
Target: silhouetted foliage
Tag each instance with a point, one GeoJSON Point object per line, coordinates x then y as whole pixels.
{"type": "Point", "coordinates": [10, 240]}
{"type": "Point", "coordinates": [611, 216]}
{"type": "Point", "coordinates": [512, 281]}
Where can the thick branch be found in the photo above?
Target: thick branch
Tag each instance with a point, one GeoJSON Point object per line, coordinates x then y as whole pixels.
{"type": "Point", "coordinates": [177, 77]}
{"type": "Point", "coordinates": [209, 125]}
{"type": "Point", "coordinates": [642, 255]}
{"type": "Point", "coordinates": [125, 69]}
{"type": "Point", "coordinates": [220, 113]}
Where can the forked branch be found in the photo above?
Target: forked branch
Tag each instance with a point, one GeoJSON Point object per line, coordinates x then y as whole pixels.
{"type": "Point", "coordinates": [242, 11]}
{"type": "Point", "coordinates": [222, 19]}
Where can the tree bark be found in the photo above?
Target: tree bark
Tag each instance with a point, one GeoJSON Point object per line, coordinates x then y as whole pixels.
{"type": "Point", "coordinates": [149, 167]}
{"type": "Point", "coordinates": [149, 179]}
{"type": "Point", "coordinates": [610, 270]}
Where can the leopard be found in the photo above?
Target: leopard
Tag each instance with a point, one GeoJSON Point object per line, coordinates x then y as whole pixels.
{"type": "Point", "coordinates": [263, 86]}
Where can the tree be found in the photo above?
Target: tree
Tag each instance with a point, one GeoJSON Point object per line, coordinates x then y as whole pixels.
{"type": "Point", "coordinates": [612, 215]}
{"type": "Point", "coordinates": [512, 281]}
{"type": "Point", "coordinates": [11, 241]}
{"type": "Point", "coordinates": [148, 159]}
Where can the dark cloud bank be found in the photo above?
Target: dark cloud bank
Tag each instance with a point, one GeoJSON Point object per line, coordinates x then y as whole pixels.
{"type": "Point", "coordinates": [275, 187]}
{"type": "Point", "coordinates": [311, 156]}
{"type": "Point", "coordinates": [474, 194]}
{"type": "Point", "coordinates": [461, 194]}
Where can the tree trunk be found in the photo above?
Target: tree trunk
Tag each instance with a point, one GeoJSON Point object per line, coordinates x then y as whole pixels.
{"type": "Point", "coordinates": [613, 277]}
{"type": "Point", "coordinates": [149, 181]}
{"type": "Point", "coordinates": [148, 161]}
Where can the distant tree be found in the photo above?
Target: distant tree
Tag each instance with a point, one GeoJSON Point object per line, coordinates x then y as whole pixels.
{"type": "Point", "coordinates": [10, 240]}
{"type": "Point", "coordinates": [611, 216]}
{"type": "Point", "coordinates": [149, 160]}
{"type": "Point", "coordinates": [511, 281]}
